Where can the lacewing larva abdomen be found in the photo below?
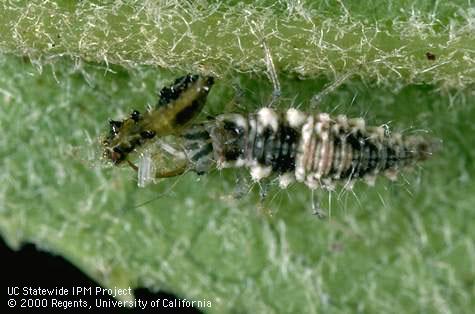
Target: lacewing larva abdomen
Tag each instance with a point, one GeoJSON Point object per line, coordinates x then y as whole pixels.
{"type": "Point", "coordinates": [315, 149]}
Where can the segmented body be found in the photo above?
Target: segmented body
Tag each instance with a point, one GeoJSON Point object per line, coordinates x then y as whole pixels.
{"type": "Point", "coordinates": [311, 148]}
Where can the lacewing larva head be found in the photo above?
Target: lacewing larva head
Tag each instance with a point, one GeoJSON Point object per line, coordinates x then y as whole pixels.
{"type": "Point", "coordinates": [178, 104]}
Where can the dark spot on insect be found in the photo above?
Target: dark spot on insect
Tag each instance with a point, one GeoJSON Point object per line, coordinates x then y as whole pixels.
{"type": "Point", "coordinates": [355, 140]}
{"type": "Point", "coordinates": [261, 145]}
{"type": "Point", "coordinates": [230, 135]}
{"type": "Point", "coordinates": [430, 56]}
{"type": "Point", "coordinates": [185, 80]}
{"type": "Point", "coordinates": [208, 148]}
{"type": "Point", "coordinates": [189, 112]}
{"type": "Point", "coordinates": [168, 94]}
{"type": "Point", "coordinates": [210, 80]}
{"type": "Point", "coordinates": [115, 126]}
{"type": "Point", "coordinates": [283, 158]}
{"type": "Point", "coordinates": [231, 126]}
{"type": "Point", "coordinates": [147, 134]}
{"type": "Point", "coordinates": [116, 155]}
{"type": "Point", "coordinates": [135, 115]}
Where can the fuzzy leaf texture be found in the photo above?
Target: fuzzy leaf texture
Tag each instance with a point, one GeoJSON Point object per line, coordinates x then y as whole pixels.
{"type": "Point", "coordinates": [66, 67]}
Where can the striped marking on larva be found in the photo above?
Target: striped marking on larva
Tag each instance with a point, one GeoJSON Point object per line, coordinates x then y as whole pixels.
{"type": "Point", "coordinates": [317, 150]}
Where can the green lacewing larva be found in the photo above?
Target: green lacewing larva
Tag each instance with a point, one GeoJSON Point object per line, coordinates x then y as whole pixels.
{"type": "Point", "coordinates": [315, 149]}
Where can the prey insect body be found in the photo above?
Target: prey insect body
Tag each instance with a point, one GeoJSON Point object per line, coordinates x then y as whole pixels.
{"type": "Point", "coordinates": [178, 104]}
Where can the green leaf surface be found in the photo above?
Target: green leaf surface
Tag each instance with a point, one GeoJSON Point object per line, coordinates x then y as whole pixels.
{"type": "Point", "coordinates": [387, 40]}
{"type": "Point", "coordinates": [398, 247]}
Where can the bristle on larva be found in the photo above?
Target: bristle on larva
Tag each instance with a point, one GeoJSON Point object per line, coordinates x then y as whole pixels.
{"type": "Point", "coordinates": [314, 149]}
